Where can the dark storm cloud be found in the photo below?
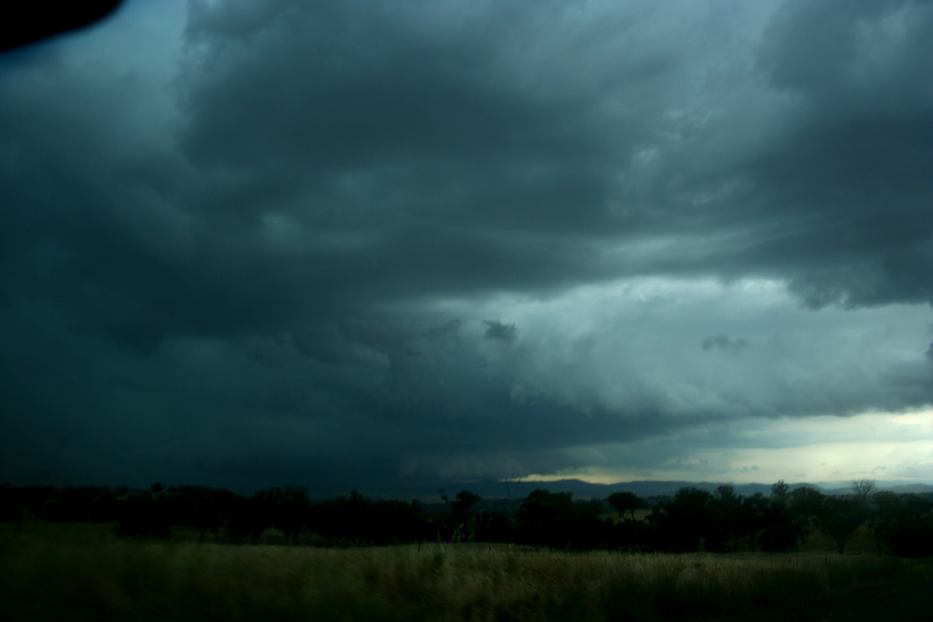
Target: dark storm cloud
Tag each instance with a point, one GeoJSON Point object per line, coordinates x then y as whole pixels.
{"type": "Point", "coordinates": [406, 110]}
{"type": "Point", "coordinates": [854, 169]}
{"type": "Point", "coordinates": [256, 248]}
{"type": "Point", "coordinates": [437, 129]}
{"type": "Point", "coordinates": [338, 155]}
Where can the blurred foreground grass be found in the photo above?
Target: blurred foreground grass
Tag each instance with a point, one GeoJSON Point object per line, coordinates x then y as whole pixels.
{"type": "Point", "coordinates": [61, 573]}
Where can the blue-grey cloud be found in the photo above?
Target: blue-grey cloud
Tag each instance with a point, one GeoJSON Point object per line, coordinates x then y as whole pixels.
{"type": "Point", "coordinates": [723, 342]}
{"type": "Point", "coordinates": [270, 233]}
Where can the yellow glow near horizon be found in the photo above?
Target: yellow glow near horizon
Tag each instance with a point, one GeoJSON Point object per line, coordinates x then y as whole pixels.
{"type": "Point", "coordinates": [880, 446]}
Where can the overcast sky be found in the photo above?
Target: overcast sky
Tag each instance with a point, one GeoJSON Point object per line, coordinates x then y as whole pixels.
{"type": "Point", "coordinates": [363, 244]}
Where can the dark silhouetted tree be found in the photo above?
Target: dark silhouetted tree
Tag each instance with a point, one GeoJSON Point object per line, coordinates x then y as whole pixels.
{"type": "Point", "coordinates": [806, 502]}
{"type": "Point", "coordinates": [554, 519]}
{"type": "Point", "coordinates": [623, 502]}
{"type": "Point", "coordinates": [725, 525]}
{"type": "Point", "coordinates": [465, 501]}
{"type": "Point", "coordinates": [840, 517]}
{"type": "Point", "coordinates": [144, 514]}
{"type": "Point", "coordinates": [682, 523]}
{"type": "Point", "coordinates": [863, 489]}
{"type": "Point", "coordinates": [462, 526]}
{"type": "Point", "coordinates": [903, 524]}
{"type": "Point", "coordinates": [780, 528]}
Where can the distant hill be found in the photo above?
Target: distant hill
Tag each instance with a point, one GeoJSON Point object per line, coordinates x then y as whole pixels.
{"type": "Point", "coordinates": [837, 488]}
{"type": "Point", "coordinates": [587, 490]}
{"type": "Point", "coordinates": [495, 489]}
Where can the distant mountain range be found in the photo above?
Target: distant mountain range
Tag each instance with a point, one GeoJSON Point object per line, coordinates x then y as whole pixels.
{"type": "Point", "coordinates": [495, 489]}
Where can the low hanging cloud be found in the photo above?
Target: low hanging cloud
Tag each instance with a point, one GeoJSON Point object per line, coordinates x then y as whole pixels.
{"type": "Point", "coordinates": [257, 241]}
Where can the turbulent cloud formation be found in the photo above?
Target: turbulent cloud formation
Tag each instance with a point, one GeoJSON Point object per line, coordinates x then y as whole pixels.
{"type": "Point", "coordinates": [500, 331]}
{"type": "Point", "coordinates": [255, 242]}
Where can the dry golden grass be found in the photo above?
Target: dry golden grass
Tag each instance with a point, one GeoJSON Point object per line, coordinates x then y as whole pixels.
{"type": "Point", "coordinates": [56, 574]}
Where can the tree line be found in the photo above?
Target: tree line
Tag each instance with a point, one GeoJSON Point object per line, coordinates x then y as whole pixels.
{"type": "Point", "coordinates": [691, 520]}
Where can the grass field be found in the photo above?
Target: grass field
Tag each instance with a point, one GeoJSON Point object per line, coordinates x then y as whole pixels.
{"type": "Point", "coordinates": [74, 573]}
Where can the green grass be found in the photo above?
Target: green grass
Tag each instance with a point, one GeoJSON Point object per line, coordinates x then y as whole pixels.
{"type": "Point", "coordinates": [55, 573]}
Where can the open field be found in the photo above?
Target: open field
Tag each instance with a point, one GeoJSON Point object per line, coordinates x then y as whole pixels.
{"type": "Point", "coordinates": [83, 573]}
